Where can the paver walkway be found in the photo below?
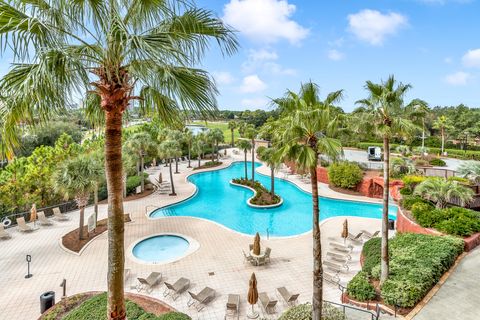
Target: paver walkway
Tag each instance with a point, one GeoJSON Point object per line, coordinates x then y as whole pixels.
{"type": "Point", "coordinates": [459, 296]}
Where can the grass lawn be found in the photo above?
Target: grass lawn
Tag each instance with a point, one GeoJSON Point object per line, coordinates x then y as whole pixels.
{"type": "Point", "coordinates": [222, 126]}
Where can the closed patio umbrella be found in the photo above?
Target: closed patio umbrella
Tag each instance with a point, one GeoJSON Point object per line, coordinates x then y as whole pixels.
{"type": "Point", "coordinates": [345, 230]}
{"type": "Point", "coordinates": [256, 244]}
{"type": "Point", "coordinates": [33, 214]}
{"type": "Point", "coordinates": [252, 296]}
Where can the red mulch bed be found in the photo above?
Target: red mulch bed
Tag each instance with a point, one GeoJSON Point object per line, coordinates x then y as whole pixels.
{"type": "Point", "coordinates": [71, 242]}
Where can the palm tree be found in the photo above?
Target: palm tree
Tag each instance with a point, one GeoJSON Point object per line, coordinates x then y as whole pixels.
{"type": "Point", "coordinates": [245, 145]}
{"type": "Point", "coordinates": [419, 111]}
{"type": "Point", "coordinates": [304, 131]}
{"type": "Point", "coordinates": [77, 178]}
{"type": "Point", "coordinates": [442, 191]}
{"type": "Point", "coordinates": [470, 170]}
{"type": "Point", "coordinates": [175, 135]}
{"type": "Point", "coordinates": [267, 155]}
{"type": "Point", "coordinates": [383, 113]}
{"type": "Point", "coordinates": [443, 124]}
{"type": "Point", "coordinates": [188, 138]}
{"type": "Point", "coordinates": [198, 147]}
{"type": "Point", "coordinates": [232, 125]}
{"type": "Point", "coordinates": [251, 133]}
{"type": "Point", "coordinates": [215, 136]}
{"type": "Point", "coordinates": [169, 150]}
{"type": "Point", "coordinates": [141, 144]}
{"type": "Point", "coordinates": [117, 51]}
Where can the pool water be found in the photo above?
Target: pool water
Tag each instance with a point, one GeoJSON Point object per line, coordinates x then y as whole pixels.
{"type": "Point", "coordinates": [217, 200]}
{"type": "Point", "coordinates": [160, 248]}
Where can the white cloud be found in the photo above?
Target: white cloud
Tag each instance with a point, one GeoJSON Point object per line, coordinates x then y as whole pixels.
{"type": "Point", "coordinates": [252, 83]}
{"type": "Point", "coordinates": [472, 58]}
{"type": "Point", "coordinates": [335, 55]}
{"type": "Point", "coordinates": [264, 20]}
{"type": "Point", "coordinates": [255, 102]}
{"type": "Point", "coordinates": [264, 60]}
{"type": "Point", "coordinates": [459, 78]}
{"type": "Point", "coordinates": [374, 27]}
{"type": "Point", "coordinates": [223, 77]}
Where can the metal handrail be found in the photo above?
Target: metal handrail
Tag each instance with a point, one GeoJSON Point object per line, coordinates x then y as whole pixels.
{"type": "Point", "coordinates": [374, 316]}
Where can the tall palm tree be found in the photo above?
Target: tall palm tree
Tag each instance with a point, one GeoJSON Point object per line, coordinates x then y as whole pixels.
{"type": "Point", "coordinates": [305, 130]}
{"type": "Point", "coordinates": [267, 155]}
{"type": "Point", "coordinates": [384, 114]}
{"type": "Point", "coordinates": [245, 145]}
{"type": "Point", "coordinates": [443, 124]}
{"type": "Point", "coordinates": [117, 51]}
{"type": "Point", "coordinates": [198, 147]}
{"type": "Point", "coordinates": [419, 112]}
{"type": "Point", "coordinates": [77, 178]}
{"type": "Point", "coordinates": [232, 125]}
{"type": "Point", "coordinates": [216, 136]}
{"type": "Point", "coordinates": [188, 137]}
{"type": "Point", "coordinates": [442, 191]}
{"type": "Point", "coordinates": [169, 150]}
{"type": "Point", "coordinates": [251, 133]}
{"type": "Point", "coordinates": [176, 135]}
{"type": "Point", "coordinates": [141, 144]}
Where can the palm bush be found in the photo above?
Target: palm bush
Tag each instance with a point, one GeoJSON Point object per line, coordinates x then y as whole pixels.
{"type": "Point", "coordinates": [401, 166]}
{"type": "Point", "coordinates": [470, 170]}
{"type": "Point", "coordinates": [442, 191]}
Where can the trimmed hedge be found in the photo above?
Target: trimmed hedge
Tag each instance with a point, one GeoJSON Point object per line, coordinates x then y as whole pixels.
{"type": "Point", "coordinates": [417, 262]}
{"type": "Point", "coordinates": [437, 162]}
{"type": "Point", "coordinates": [304, 312]}
{"type": "Point", "coordinates": [360, 288]}
{"type": "Point", "coordinates": [345, 174]}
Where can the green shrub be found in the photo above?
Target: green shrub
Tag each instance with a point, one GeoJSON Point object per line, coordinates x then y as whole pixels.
{"type": "Point", "coordinates": [406, 192]}
{"type": "Point", "coordinates": [359, 288]}
{"type": "Point", "coordinates": [134, 181]}
{"type": "Point", "coordinates": [408, 201]}
{"type": "Point", "coordinates": [304, 312]}
{"type": "Point", "coordinates": [459, 222]}
{"type": "Point", "coordinates": [460, 180]}
{"type": "Point", "coordinates": [426, 214]}
{"type": "Point", "coordinates": [174, 316]}
{"type": "Point", "coordinates": [437, 162]}
{"type": "Point", "coordinates": [345, 175]}
{"type": "Point", "coordinates": [412, 181]}
{"type": "Point", "coordinates": [372, 254]}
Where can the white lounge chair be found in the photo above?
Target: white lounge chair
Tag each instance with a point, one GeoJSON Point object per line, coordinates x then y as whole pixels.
{"type": "Point", "coordinates": [59, 216]}
{"type": "Point", "coordinates": [268, 305]}
{"type": "Point", "coordinates": [368, 235]}
{"type": "Point", "coordinates": [151, 281]}
{"type": "Point", "coordinates": [43, 220]}
{"type": "Point", "coordinates": [339, 255]}
{"type": "Point", "coordinates": [289, 298]}
{"type": "Point", "coordinates": [233, 306]}
{"type": "Point", "coordinates": [22, 225]}
{"type": "Point", "coordinates": [355, 238]}
{"type": "Point", "coordinates": [200, 300]}
{"type": "Point", "coordinates": [4, 234]}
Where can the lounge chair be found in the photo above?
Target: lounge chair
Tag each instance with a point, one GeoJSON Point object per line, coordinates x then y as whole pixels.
{"type": "Point", "coordinates": [268, 251]}
{"type": "Point", "coordinates": [339, 255]}
{"type": "Point", "coordinates": [176, 289]}
{"type": "Point", "coordinates": [369, 235]}
{"type": "Point", "coordinates": [341, 247]}
{"type": "Point", "coordinates": [59, 215]}
{"type": "Point", "coordinates": [126, 274]}
{"type": "Point", "coordinates": [200, 300]}
{"type": "Point", "coordinates": [332, 278]}
{"type": "Point", "coordinates": [248, 258]}
{"type": "Point", "coordinates": [22, 226]}
{"type": "Point", "coordinates": [151, 281]}
{"type": "Point", "coordinates": [233, 306]}
{"type": "Point", "coordinates": [337, 259]}
{"type": "Point", "coordinates": [357, 238]}
{"type": "Point", "coordinates": [335, 266]}
{"type": "Point", "coordinates": [289, 298]}
{"type": "Point", "coordinates": [4, 234]}
{"type": "Point", "coordinates": [268, 305]}
{"type": "Point", "coordinates": [43, 220]}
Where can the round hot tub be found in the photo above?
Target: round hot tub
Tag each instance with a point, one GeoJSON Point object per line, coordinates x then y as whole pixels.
{"type": "Point", "coordinates": [162, 248]}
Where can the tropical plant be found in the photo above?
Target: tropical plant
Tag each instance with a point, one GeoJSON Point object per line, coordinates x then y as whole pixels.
{"type": "Point", "coordinates": [251, 133]}
{"type": "Point", "coordinates": [77, 178]}
{"type": "Point", "coordinates": [384, 114]}
{"type": "Point", "coordinates": [117, 51]}
{"type": "Point", "coordinates": [169, 150]}
{"type": "Point", "coordinates": [419, 112]}
{"type": "Point", "coordinates": [199, 147]}
{"type": "Point", "coordinates": [403, 150]}
{"type": "Point", "coordinates": [245, 145]}
{"type": "Point", "coordinates": [443, 124]}
{"type": "Point", "coordinates": [188, 137]}
{"type": "Point", "coordinates": [267, 155]}
{"type": "Point", "coordinates": [232, 125]}
{"type": "Point", "coordinates": [470, 170]}
{"type": "Point", "coordinates": [141, 144]}
{"type": "Point", "coordinates": [401, 166]}
{"type": "Point", "coordinates": [442, 191]}
{"type": "Point", "coordinates": [215, 136]}
{"type": "Point", "coordinates": [304, 131]}
{"type": "Point", "coordinates": [345, 174]}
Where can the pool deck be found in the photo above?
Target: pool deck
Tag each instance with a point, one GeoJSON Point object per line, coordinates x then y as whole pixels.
{"type": "Point", "coordinates": [218, 263]}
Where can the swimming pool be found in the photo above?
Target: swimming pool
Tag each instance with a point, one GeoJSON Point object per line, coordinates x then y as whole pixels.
{"type": "Point", "coordinates": [217, 200]}
{"type": "Point", "coordinates": [160, 248]}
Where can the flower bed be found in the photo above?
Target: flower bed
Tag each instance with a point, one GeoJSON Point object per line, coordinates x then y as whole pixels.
{"type": "Point", "coordinates": [262, 196]}
{"type": "Point", "coordinates": [417, 262]}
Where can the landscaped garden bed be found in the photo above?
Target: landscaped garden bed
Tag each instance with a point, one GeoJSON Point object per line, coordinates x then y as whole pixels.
{"type": "Point", "coordinates": [93, 306]}
{"type": "Point", "coordinates": [417, 262]}
{"type": "Point", "coordinates": [71, 240]}
{"type": "Point", "coordinates": [209, 164]}
{"type": "Point", "coordinates": [262, 196]}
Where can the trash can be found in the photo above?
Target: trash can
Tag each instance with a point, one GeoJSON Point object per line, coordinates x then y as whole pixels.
{"type": "Point", "coordinates": [47, 300]}
{"type": "Point", "coordinates": [391, 224]}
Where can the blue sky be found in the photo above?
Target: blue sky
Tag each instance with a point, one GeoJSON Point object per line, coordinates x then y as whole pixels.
{"type": "Point", "coordinates": [431, 44]}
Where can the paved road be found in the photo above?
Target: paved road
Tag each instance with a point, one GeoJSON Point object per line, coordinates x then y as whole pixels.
{"type": "Point", "coordinates": [459, 296]}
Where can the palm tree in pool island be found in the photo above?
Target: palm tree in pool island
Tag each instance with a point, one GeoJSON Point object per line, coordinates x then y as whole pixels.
{"type": "Point", "coordinates": [251, 133]}
{"type": "Point", "coordinates": [267, 155]}
{"type": "Point", "coordinates": [245, 145]}
{"type": "Point", "coordinates": [384, 114]}
{"type": "Point", "coordinates": [306, 128]}
{"type": "Point", "coordinates": [232, 125]}
{"type": "Point", "coordinates": [117, 51]}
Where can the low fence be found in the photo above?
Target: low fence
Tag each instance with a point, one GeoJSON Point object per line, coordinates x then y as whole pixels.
{"type": "Point", "coordinates": [10, 220]}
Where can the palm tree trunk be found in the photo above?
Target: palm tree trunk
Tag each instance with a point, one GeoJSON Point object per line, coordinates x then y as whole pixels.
{"type": "Point", "coordinates": [216, 148]}
{"type": "Point", "coordinates": [443, 141]}
{"type": "Point", "coordinates": [171, 180]}
{"type": "Point", "coordinates": [423, 135]}
{"type": "Point", "coordinates": [253, 160]}
{"type": "Point", "coordinates": [116, 228]}
{"type": "Point", "coordinates": [317, 250]}
{"type": "Point", "coordinates": [233, 142]}
{"type": "Point", "coordinates": [142, 178]}
{"type": "Point", "coordinates": [272, 181]}
{"type": "Point", "coordinates": [82, 222]}
{"type": "Point", "coordinates": [176, 165]}
{"type": "Point", "coordinates": [199, 160]}
{"type": "Point", "coordinates": [245, 162]}
{"type": "Point", "coordinates": [386, 191]}
{"type": "Point", "coordinates": [189, 154]}
{"type": "Point", "coordinates": [95, 202]}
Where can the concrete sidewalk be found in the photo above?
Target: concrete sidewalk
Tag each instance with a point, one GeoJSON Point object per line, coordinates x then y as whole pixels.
{"type": "Point", "coordinates": [459, 296]}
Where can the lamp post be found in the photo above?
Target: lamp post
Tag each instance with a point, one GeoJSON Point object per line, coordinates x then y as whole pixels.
{"type": "Point", "coordinates": [29, 259]}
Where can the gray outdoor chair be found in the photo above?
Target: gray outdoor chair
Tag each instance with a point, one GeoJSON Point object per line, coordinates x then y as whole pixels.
{"type": "Point", "coordinates": [4, 234]}
{"type": "Point", "coordinates": [200, 300]}
{"type": "Point", "coordinates": [289, 298]}
{"type": "Point", "coordinates": [176, 289]}
{"type": "Point", "coordinates": [22, 225]}
{"type": "Point", "coordinates": [268, 305]}
{"type": "Point", "coordinates": [43, 220]}
{"type": "Point", "coordinates": [233, 306]}
{"type": "Point", "coordinates": [59, 216]}
{"type": "Point", "coordinates": [150, 282]}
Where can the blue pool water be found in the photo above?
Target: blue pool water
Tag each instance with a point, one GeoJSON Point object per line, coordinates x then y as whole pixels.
{"type": "Point", "coordinates": [160, 248]}
{"type": "Point", "coordinates": [217, 200]}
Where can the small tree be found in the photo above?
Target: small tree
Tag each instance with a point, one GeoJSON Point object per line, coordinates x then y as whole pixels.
{"type": "Point", "coordinates": [443, 124]}
{"type": "Point", "coordinates": [188, 138]}
{"type": "Point", "coordinates": [232, 125]}
{"type": "Point", "coordinates": [198, 147]}
{"type": "Point", "coordinates": [245, 145]}
{"type": "Point", "coordinates": [77, 178]}
{"type": "Point", "coordinates": [141, 144]}
{"type": "Point", "coordinates": [442, 191]}
{"type": "Point", "coordinates": [215, 136]}
{"type": "Point", "coordinates": [169, 150]}
{"type": "Point", "coordinates": [251, 133]}
{"type": "Point", "coordinates": [268, 156]}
